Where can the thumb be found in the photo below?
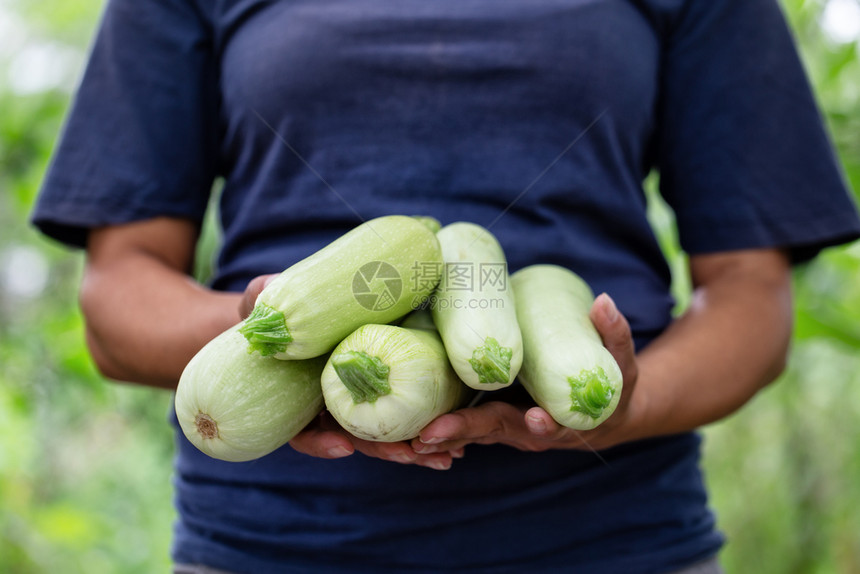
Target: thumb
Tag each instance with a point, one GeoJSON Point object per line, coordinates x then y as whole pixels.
{"type": "Point", "coordinates": [615, 331]}
{"type": "Point", "coordinates": [252, 291]}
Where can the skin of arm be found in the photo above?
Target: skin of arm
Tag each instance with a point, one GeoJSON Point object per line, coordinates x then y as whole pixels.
{"type": "Point", "coordinates": [145, 317]}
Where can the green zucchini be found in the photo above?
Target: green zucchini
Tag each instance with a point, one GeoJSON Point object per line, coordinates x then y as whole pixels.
{"type": "Point", "coordinates": [566, 368]}
{"type": "Point", "coordinates": [237, 406]}
{"type": "Point", "coordinates": [375, 273]}
{"type": "Point", "coordinates": [385, 383]}
{"type": "Point", "coordinates": [431, 222]}
{"type": "Point", "coordinates": [474, 309]}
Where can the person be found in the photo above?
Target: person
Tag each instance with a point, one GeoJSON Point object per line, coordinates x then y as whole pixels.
{"type": "Point", "coordinates": [538, 120]}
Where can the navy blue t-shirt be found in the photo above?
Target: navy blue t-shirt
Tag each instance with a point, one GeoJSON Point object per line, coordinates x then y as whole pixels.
{"type": "Point", "coordinates": [539, 120]}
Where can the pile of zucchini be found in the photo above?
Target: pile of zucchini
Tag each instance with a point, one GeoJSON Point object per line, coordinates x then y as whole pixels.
{"type": "Point", "coordinates": [394, 323]}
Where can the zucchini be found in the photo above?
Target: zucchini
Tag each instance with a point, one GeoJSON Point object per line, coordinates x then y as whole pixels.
{"type": "Point", "coordinates": [385, 383]}
{"type": "Point", "coordinates": [431, 222]}
{"type": "Point", "coordinates": [474, 310]}
{"type": "Point", "coordinates": [237, 406]}
{"type": "Point", "coordinates": [375, 273]}
{"type": "Point", "coordinates": [419, 319]}
{"type": "Point", "coordinates": [566, 368]}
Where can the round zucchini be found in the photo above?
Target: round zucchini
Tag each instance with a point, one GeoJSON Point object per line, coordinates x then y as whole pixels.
{"type": "Point", "coordinates": [385, 383]}
{"type": "Point", "coordinates": [237, 406]}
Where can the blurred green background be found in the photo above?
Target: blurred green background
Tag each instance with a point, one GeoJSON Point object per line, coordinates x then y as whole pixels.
{"type": "Point", "coordinates": [85, 464]}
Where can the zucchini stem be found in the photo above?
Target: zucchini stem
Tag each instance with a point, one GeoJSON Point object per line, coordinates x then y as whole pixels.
{"type": "Point", "coordinates": [591, 392]}
{"type": "Point", "coordinates": [266, 330]}
{"type": "Point", "coordinates": [365, 376]}
{"type": "Point", "coordinates": [492, 362]}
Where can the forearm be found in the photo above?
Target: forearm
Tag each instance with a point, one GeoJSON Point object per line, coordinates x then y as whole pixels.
{"type": "Point", "coordinates": [145, 317]}
{"type": "Point", "coordinates": [732, 341]}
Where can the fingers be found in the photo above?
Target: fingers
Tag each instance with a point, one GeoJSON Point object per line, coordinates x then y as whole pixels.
{"type": "Point", "coordinates": [324, 439]}
{"type": "Point", "coordinates": [498, 423]}
{"type": "Point", "coordinates": [615, 332]}
{"type": "Point", "coordinates": [254, 288]}
{"type": "Point", "coordinates": [322, 443]}
{"type": "Point", "coordinates": [481, 424]}
{"type": "Point", "coordinates": [403, 453]}
{"type": "Point", "coordinates": [611, 324]}
{"type": "Point", "coordinates": [541, 424]}
{"type": "Point", "coordinates": [494, 422]}
{"type": "Point", "coordinates": [546, 429]}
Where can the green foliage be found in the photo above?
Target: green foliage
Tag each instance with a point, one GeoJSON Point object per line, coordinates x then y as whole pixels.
{"type": "Point", "coordinates": [784, 471]}
{"type": "Point", "coordinates": [85, 464]}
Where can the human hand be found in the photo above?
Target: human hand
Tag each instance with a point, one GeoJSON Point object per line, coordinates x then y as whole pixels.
{"type": "Point", "coordinates": [252, 291]}
{"type": "Point", "coordinates": [532, 428]}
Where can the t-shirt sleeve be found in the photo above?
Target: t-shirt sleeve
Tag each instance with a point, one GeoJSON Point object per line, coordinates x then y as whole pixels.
{"type": "Point", "coordinates": [141, 135]}
{"type": "Point", "coordinates": [743, 155]}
